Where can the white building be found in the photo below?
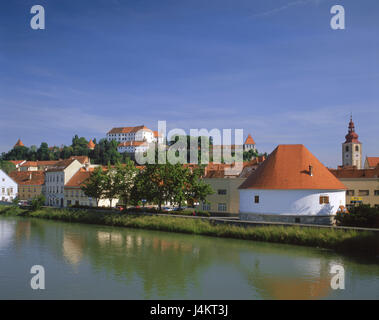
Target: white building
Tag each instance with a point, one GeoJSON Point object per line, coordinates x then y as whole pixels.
{"type": "Point", "coordinates": [138, 133]}
{"type": "Point", "coordinates": [292, 185]}
{"type": "Point", "coordinates": [133, 146]}
{"type": "Point", "coordinates": [56, 178]}
{"type": "Point", "coordinates": [8, 187]}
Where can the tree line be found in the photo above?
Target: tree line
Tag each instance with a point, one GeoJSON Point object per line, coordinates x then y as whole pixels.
{"type": "Point", "coordinates": [153, 184]}
{"type": "Point", "coordinates": [104, 152]}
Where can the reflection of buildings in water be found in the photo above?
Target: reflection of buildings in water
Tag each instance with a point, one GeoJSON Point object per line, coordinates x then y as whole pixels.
{"type": "Point", "coordinates": [22, 230]}
{"type": "Point", "coordinates": [297, 288]}
{"type": "Point", "coordinates": [109, 238]}
{"type": "Point", "coordinates": [303, 279]}
{"type": "Point", "coordinates": [173, 245]}
{"type": "Point", "coordinates": [7, 230]}
{"type": "Point", "coordinates": [129, 242]}
{"type": "Point", "coordinates": [72, 246]}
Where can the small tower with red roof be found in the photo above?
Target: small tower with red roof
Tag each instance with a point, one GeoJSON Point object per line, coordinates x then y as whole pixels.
{"type": "Point", "coordinates": [249, 143]}
{"type": "Point", "coordinates": [352, 148]}
{"type": "Point", "coordinates": [19, 144]}
{"type": "Point", "coordinates": [91, 145]}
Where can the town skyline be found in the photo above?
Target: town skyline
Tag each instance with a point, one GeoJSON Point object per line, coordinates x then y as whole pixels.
{"type": "Point", "coordinates": [276, 70]}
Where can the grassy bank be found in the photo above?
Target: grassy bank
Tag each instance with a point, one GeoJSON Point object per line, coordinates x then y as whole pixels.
{"type": "Point", "coordinates": [339, 240]}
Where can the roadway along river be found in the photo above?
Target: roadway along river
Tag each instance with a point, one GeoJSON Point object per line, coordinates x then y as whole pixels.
{"type": "Point", "coordinates": [96, 262]}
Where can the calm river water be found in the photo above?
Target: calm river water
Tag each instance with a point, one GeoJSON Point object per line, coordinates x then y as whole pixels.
{"type": "Point", "coordinates": [96, 262]}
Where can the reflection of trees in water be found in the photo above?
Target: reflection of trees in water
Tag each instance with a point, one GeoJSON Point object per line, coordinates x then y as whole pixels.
{"type": "Point", "coordinates": [163, 261]}
{"type": "Point", "coordinates": [169, 263]}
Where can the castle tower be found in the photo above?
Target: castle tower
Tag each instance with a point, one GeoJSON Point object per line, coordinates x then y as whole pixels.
{"type": "Point", "coordinates": [249, 143]}
{"type": "Point", "coordinates": [352, 148]}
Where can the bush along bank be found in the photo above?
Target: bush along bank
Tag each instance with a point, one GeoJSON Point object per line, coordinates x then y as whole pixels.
{"type": "Point", "coordinates": [349, 241]}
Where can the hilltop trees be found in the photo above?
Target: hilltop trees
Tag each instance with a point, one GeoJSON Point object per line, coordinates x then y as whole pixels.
{"type": "Point", "coordinates": [104, 152]}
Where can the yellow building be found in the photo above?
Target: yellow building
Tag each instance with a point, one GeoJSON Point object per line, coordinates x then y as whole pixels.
{"type": "Point", "coordinates": [226, 196]}
{"type": "Point", "coordinates": [74, 195]}
{"type": "Point", "coordinates": [29, 183]}
{"type": "Point", "coordinates": [225, 199]}
{"type": "Point", "coordinates": [362, 184]}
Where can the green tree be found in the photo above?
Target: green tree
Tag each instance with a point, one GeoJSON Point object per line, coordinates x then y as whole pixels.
{"type": "Point", "coordinates": [94, 186]}
{"type": "Point", "coordinates": [110, 185]}
{"type": "Point", "coordinates": [38, 202]}
{"type": "Point", "coordinates": [124, 181]}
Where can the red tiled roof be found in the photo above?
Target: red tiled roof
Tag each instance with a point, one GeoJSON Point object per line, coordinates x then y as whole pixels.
{"type": "Point", "coordinates": [32, 178]}
{"type": "Point", "coordinates": [77, 180]}
{"type": "Point", "coordinates": [61, 165]}
{"type": "Point", "coordinates": [19, 143]}
{"type": "Point", "coordinates": [372, 161]}
{"type": "Point", "coordinates": [249, 140]}
{"type": "Point", "coordinates": [355, 173]}
{"type": "Point", "coordinates": [288, 167]}
{"type": "Point", "coordinates": [39, 163]}
{"type": "Point", "coordinates": [81, 159]}
{"type": "Point", "coordinates": [128, 129]}
{"type": "Point", "coordinates": [91, 145]}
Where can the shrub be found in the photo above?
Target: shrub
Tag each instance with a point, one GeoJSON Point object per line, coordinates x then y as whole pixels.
{"type": "Point", "coordinates": [361, 216]}
{"type": "Point", "coordinates": [38, 202]}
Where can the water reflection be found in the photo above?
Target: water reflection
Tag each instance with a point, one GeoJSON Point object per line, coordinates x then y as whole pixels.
{"type": "Point", "coordinates": [148, 264]}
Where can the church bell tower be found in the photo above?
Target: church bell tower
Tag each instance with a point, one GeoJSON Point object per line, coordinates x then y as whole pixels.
{"type": "Point", "coordinates": [352, 148]}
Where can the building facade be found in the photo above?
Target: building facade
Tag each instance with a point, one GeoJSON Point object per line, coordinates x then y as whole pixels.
{"type": "Point", "coordinates": [124, 134]}
{"type": "Point", "coordinates": [29, 183]}
{"type": "Point", "coordinates": [8, 188]}
{"type": "Point", "coordinates": [56, 178]}
{"type": "Point", "coordinates": [362, 185]}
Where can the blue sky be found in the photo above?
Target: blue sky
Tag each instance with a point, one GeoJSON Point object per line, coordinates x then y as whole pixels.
{"type": "Point", "coordinates": [274, 68]}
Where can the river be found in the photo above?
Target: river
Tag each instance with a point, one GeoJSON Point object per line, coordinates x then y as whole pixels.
{"type": "Point", "coordinates": [98, 262]}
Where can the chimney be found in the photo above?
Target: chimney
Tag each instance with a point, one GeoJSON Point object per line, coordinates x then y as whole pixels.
{"type": "Point", "coordinates": [30, 176]}
{"type": "Point", "coordinates": [311, 171]}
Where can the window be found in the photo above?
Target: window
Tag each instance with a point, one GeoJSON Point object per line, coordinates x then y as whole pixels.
{"type": "Point", "coordinates": [324, 199]}
{"type": "Point", "coordinates": [356, 148]}
{"type": "Point", "coordinates": [347, 148]}
{"type": "Point", "coordinates": [221, 191]}
{"type": "Point", "coordinates": [376, 192]}
{"type": "Point", "coordinates": [297, 220]}
{"type": "Point", "coordinates": [222, 207]}
{"type": "Point", "coordinates": [256, 199]}
{"type": "Point", "coordinates": [206, 206]}
{"type": "Point", "coordinates": [364, 193]}
{"type": "Point", "coordinates": [350, 193]}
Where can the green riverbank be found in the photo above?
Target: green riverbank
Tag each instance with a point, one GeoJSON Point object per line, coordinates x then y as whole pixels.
{"type": "Point", "coordinates": [349, 241]}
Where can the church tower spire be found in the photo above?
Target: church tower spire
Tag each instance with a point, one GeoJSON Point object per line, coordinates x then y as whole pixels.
{"type": "Point", "coordinates": [352, 148]}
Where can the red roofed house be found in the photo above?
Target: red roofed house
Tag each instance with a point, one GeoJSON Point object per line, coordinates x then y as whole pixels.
{"type": "Point", "coordinates": [55, 179]}
{"type": "Point", "coordinates": [29, 183]}
{"type": "Point", "coordinates": [291, 185]}
{"type": "Point", "coordinates": [138, 133]}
